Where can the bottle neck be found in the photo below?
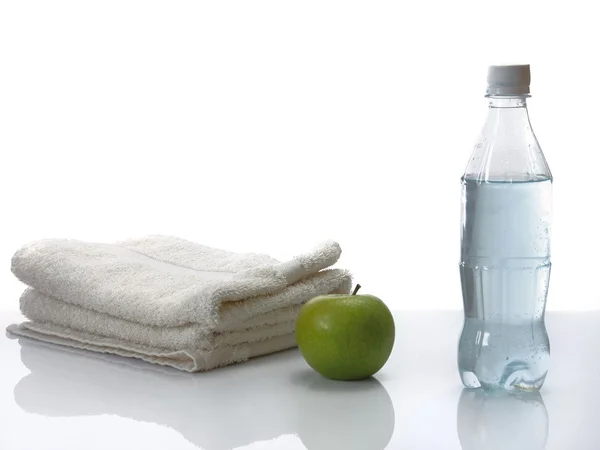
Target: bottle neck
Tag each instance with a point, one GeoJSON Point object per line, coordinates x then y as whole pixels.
{"type": "Point", "coordinates": [507, 101]}
{"type": "Point", "coordinates": [507, 116]}
{"type": "Point", "coordinates": [507, 149]}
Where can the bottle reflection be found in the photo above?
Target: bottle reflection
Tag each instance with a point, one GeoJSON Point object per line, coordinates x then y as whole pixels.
{"type": "Point", "coordinates": [502, 420]}
{"type": "Point", "coordinates": [219, 410]}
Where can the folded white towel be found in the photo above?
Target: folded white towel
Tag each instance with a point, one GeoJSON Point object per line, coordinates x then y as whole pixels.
{"type": "Point", "coordinates": [167, 300]}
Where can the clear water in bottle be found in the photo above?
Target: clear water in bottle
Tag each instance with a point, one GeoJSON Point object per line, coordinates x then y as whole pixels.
{"type": "Point", "coordinates": [505, 272]}
{"type": "Point", "coordinates": [505, 254]}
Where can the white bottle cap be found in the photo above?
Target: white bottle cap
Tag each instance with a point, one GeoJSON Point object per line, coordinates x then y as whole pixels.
{"type": "Point", "coordinates": [508, 80]}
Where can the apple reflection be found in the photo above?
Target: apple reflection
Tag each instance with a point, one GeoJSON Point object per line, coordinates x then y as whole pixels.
{"type": "Point", "coordinates": [346, 415]}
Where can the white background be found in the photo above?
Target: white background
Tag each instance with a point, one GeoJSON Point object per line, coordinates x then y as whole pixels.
{"type": "Point", "coordinates": [271, 125]}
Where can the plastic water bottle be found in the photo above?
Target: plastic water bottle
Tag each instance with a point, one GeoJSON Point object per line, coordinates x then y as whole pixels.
{"type": "Point", "coordinates": [505, 245]}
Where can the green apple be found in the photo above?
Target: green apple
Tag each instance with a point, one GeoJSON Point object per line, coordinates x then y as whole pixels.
{"type": "Point", "coordinates": [345, 337]}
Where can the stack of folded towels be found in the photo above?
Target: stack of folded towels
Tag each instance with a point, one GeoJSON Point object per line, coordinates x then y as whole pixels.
{"type": "Point", "coordinates": [169, 301]}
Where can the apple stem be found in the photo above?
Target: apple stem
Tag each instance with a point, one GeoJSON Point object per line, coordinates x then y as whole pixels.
{"type": "Point", "coordinates": [356, 289]}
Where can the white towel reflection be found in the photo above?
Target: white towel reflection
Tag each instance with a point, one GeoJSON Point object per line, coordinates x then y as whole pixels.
{"type": "Point", "coordinates": [223, 409]}
{"type": "Point", "coordinates": [502, 420]}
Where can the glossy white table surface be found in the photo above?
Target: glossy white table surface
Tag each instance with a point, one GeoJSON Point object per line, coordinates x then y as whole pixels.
{"type": "Point", "coordinates": [56, 399]}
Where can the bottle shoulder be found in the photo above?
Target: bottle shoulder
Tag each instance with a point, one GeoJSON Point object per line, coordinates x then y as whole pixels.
{"type": "Point", "coordinates": [510, 157]}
